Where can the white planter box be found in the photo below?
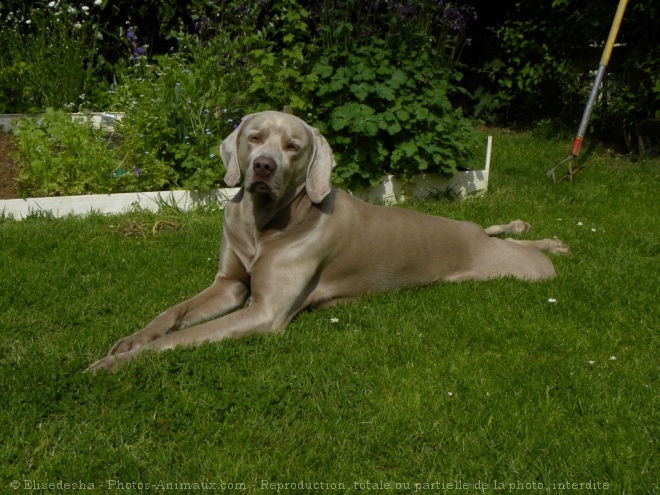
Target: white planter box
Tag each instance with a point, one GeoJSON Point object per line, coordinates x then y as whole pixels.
{"type": "Point", "coordinates": [392, 190]}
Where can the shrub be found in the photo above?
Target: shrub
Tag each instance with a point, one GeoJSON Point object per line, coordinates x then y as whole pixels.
{"type": "Point", "coordinates": [173, 116]}
{"type": "Point", "coordinates": [386, 77]}
{"type": "Point", "coordinates": [377, 78]}
{"type": "Point", "coordinates": [382, 114]}
{"type": "Point", "coordinates": [179, 106]}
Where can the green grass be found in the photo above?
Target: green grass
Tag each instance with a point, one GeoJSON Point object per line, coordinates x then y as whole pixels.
{"type": "Point", "coordinates": [477, 383]}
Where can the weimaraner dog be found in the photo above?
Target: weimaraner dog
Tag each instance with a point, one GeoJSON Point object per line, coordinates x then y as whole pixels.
{"type": "Point", "coordinates": [290, 241]}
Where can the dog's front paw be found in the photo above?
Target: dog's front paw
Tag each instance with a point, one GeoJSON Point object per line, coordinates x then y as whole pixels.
{"type": "Point", "coordinates": [108, 363]}
{"type": "Point", "coordinates": [131, 343]}
{"type": "Point", "coordinates": [112, 362]}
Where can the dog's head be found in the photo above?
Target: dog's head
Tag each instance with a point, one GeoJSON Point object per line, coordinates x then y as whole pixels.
{"type": "Point", "coordinates": [277, 152]}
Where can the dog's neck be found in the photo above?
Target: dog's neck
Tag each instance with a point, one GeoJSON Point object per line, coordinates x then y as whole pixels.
{"type": "Point", "coordinates": [269, 213]}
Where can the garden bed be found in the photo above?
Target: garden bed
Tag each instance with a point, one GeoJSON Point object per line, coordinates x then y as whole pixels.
{"type": "Point", "coordinates": [461, 185]}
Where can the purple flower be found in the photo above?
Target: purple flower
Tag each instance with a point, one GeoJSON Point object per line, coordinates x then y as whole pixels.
{"type": "Point", "coordinates": [137, 172]}
{"type": "Point", "coordinates": [139, 50]}
{"type": "Point", "coordinates": [130, 35]}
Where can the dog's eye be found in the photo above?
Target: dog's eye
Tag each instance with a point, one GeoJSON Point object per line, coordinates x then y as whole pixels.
{"type": "Point", "coordinates": [293, 147]}
{"type": "Point", "coordinates": [254, 139]}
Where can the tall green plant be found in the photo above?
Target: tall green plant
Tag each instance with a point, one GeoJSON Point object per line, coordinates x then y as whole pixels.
{"type": "Point", "coordinates": [179, 106]}
{"type": "Point", "coordinates": [390, 115]}
{"type": "Point", "coordinates": [47, 55]}
{"type": "Point", "coordinates": [173, 113]}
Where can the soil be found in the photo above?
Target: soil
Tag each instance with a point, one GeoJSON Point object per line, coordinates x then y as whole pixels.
{"type": "Point", "coordinates": [8, 167]}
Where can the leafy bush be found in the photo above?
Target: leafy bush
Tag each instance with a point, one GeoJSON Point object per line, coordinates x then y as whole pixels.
{"type": "Point", "coordinates": [382, 114]}
{"type": "Point", "coordinates": [386, 76]}
{"type": "Point", "coordinates": [62, 156]}
{"type": "Point", "coordinates": [179, 106]}
{"type": "Point", "coordinates": [172, 115]}
{"type": "Point", "coordinates": [383, 104]}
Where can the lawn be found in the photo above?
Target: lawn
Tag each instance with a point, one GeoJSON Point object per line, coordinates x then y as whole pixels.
{"type": "Point", "coordinates": [483, 387]}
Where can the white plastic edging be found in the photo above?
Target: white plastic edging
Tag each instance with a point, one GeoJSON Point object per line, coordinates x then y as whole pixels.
{"type": "Point", "coordinates": [112, 203]}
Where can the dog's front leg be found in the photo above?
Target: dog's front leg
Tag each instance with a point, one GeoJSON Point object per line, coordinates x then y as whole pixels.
{"type": "Point", "coordinates": [256, 318]}
{"type": "Point", "coordinates": [220, 298]}
{"type": "Point", "coordinates": [278, 294]}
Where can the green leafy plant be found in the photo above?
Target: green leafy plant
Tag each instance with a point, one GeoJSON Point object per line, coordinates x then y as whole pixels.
{"type": "Point", "coordinates": [278, 63]}
{"type": "Point", "coordinates": [172, 115]}
{"type": "Point", "coordinates": [396, 116]}
{"type": "Point", "coordinates": [62, 156]}
{"type": "Point", "coordinates": [180, 106]}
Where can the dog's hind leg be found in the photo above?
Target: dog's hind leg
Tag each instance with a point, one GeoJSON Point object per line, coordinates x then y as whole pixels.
{"type": "Point", "coordinates": [554, 246]}
{"type": "Point", "coordinates": [515, 227]}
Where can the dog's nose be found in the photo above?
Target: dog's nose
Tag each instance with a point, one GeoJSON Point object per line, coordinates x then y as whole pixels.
{"type": "Point", "coordinates": [264, 166]}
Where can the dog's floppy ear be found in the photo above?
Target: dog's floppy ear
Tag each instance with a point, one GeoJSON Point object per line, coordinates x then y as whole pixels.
{"type": "Point", "coordinates": [319, 171]}
{"type": "Point", "coordinates": [229, 153]}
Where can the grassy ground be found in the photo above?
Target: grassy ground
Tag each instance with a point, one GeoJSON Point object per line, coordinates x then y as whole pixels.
{"type": "Point", "coordinates": [483, 387]}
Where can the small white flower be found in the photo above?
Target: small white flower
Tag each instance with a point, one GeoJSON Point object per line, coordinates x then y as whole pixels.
{"type": "Point", "coordinates": [52, 4]}
{"type": "Point", "coordinates": [77, 25]}
{"type": "Point", "coordinates": [85, 8]}
{"type": "Point", "coordinates": [334, 320]}
{"type": "Point", "coordinates": [612, 358]}
{"type": "Point", "coordinates": [450, 394]}
{"type": "Point", "coordinates": [551, 300]}
{"type": "Point", "coordinates": [591, 362]}
{"type": "Point", "coordinates": [98, 2]}
{"type": "Point", "coordinates": [28, 21]}
{"type": "Point", "coordinates": [579, 224]}
{"type": "Point", "coordinates": [593, 230]}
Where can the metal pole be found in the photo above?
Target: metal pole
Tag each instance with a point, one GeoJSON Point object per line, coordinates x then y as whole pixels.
{"type": "Point", "coordinates": [577, 143]}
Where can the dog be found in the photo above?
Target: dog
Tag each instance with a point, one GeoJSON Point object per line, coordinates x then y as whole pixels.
{"type": "Point", "coordinates": [290, 242]}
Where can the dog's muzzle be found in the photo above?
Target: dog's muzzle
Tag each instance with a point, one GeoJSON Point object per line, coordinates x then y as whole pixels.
{"type": "Point", "coordinates": [263, 167]}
